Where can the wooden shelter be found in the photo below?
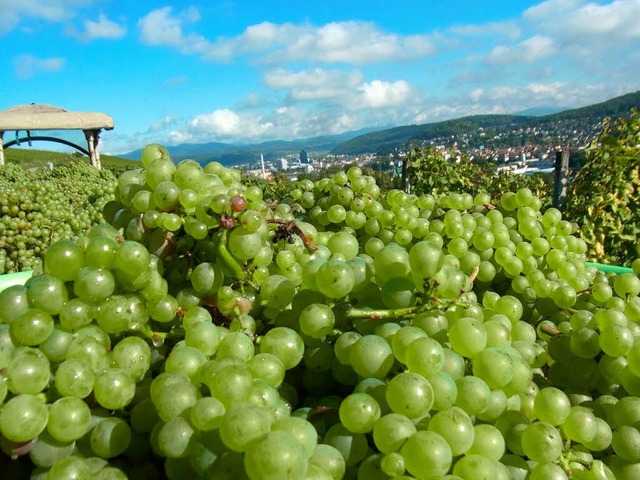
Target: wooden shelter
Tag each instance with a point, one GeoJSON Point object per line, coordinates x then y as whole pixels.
{"type": "Point", "coordinates": [29, 118]}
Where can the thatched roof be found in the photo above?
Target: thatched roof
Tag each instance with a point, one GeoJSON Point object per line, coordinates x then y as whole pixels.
{"type": "Point", "coordinates": [47, 117]}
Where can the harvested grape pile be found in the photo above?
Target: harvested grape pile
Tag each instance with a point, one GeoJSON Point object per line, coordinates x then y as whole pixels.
{"type": "Point", "coordinates": [41, 206]}
{"type": "Point", "coordinates": [208, 332]}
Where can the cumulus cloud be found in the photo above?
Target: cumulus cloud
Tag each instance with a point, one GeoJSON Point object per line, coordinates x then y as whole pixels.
{"type": "Point", "coordinates": [314, 84]}
{"type": "Point", "coordinates": [379, 94]}
{"type": "Point", "coordinates": [28, 65]}
{"type": "Point", "coordinates": [528, 51]}
{"type": "Point", "coordinates": [103, 28]}
{"type": "Point", "coordinates": [587, 22]}
{"type": "Point", "coordinates": [15, 12]}
{"type": "Point", "coordinates": [351, 42]}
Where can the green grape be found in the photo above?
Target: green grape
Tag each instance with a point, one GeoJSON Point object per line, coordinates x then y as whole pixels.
{"type": "Point", "coordinates": [242, 424]}
{"type": "Point", "coordinates": [403, 338]}
{"type": "Point", "coordinates": [121, 313]}
{"type": "Point", "coordinates": [23, 418]}
{"type": "Point", "coordinates": [329, 459]}
{"type": "Point", "coordinates": [352, 446]}
{"type": "Point", "coordinates": [74, 378]}
{"type": "Point", "coordinates": [28, 372]}
{"type": "Point", "coordinates": [455, 426]}
{"type": "Point", "coordinates": [359, 412]}
{"type": "Point", "coordinates": [616, 340]}
{"type": "Point", "coordinates": [542, 442]}
{"type": "Point", "coordinates": [69, 419]}
{"type": "Point", "coordinates": [47, 293]}
{"type": "Point", "coordinates": [391, 431]}
{"type": "Point", "coordinates": [344, 243]}
{"type": "Point", "coordinates": [475, 466]}
{"type": "Point", "coordinates": [317, 320]}
{"type": "Point", "coordinates": [303, 431]}
{"type": "Point", "coordinates": [409, 394]}
{"type": "Point", "coordinates": [625, 443]}
{"type": "Point", "coordinates": [626, 285]}
{"type": "Point", "coordinates": [494, 366]}
{"type": "Point", "coordinates": [48, 451]}
{"type": "Point", "coordinates": [467, 336]}
{"type": "Point", "coordinates": [580, 425]}
{"type": "Point", "coordinates": [93, 284]}
{"type": "Point", "coordinates": [277, 291]}
{"type": "Point", "coordinates": [488, 442]}
{"type": "Point", "coordinates": [133, 355]}
{"type": "Point", "coordinates": [69, 467]}
{"type": "Point", "coordinates": [185, 359]}
{"type": "Point", "coordinates": [114, 389]}
{"type": "Point", "coordinates": [473, 394]}
{"type": "Point", "coordinates": [277, 455]}
{"type": "Point", "coordinates": [371, 356]}
{"type": "Point", "coordinates": [203, 336]}
{"type": "Point", "coordinates": [13, 303]}
{"type": "Point", "coordinates": [335, 279]}
{"type": "Point", "coordinates": [33, 327]}
{"type": "Point", "coordinates": [552, 406]}
{"type": "Point", "coordinates": [230, 384]}
{"type": "Point", "coordinates": [110, 437]}
{"type": "Point", "coordinates": [63, 259]}
{"type": "Point", "coordinates": [424, 356]}
{"type": "Point", "coordinates": [207, 413]}
{"type": "Point", "coordinates": [426, 453]}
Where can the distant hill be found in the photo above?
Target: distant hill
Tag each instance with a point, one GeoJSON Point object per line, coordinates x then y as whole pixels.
{"type": "Point", "coordinates": [385, 141]}
{"type": "Point", "coordinates": [234, 154]}
{"type": "Point", "coordinates": [540, 111]}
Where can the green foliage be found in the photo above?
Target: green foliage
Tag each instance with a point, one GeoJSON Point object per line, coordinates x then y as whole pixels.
{"type": "Point", "coordinates": [29, 158]}
{"type": "Point", "coordinates": [431, 172]}
{"type": "Point", "coordinates": [605, 194]}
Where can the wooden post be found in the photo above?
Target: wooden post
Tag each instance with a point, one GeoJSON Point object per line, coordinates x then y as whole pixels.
{"type": "Point", "coordinates": [1, 149]}
{"type": "Point", "coordinates": [561, 174]}
{"type": "Point", "coordinates": [405, 175]}
{"type": "Point", "coordinates": [92, 137]}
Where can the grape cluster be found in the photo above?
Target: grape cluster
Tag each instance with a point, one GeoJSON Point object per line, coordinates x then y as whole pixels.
{"type": "Point", "coordinates": [342, 332]}
{"type": "Point", "coordinates": [41, 206]}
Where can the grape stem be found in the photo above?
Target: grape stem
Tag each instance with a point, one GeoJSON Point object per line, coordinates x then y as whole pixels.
{"type": "Point", "coordinates": [382, 314]}
{"type": "Point", "coordinates": [550, 330]}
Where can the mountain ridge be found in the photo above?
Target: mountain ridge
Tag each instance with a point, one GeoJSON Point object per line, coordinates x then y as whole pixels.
{"type": "Point", "coordinates": [386, 141]}
{"type": "Point", "coordinates": [389, 139]}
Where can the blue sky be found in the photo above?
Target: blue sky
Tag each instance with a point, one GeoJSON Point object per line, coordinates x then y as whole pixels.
{"type": "Point", "coordinates": [250, 71]}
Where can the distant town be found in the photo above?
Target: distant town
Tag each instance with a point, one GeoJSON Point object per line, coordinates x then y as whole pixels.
{"type": "Point", "coordinates": [524, 150]}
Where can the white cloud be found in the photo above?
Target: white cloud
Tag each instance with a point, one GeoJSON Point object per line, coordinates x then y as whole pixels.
{"type": "Point", "coordinates": [222, 121]}
{"type": "Point", "coordinates": [103, 28]}
{"type": "Point", "coordinates": [528, 51]}
{"type": "Point", "coordinates": [315, 84]}
{"type": "Point", "coordinates": [165, 122]}
{"type": "Point", "coordinates": [509, 29]}
{"type": "Point", "coordinates": [587, 22]}
{"type": "Point", "coordinates": [379, 94]}
{"type": "Point", "coordinates": [14, 12]}
{"type": "Point", "coordinates": [28, 65]}
{"type": "Point", "coordinates": [619, 19]}
{"type": "Point", "coordinates": [351, 42]}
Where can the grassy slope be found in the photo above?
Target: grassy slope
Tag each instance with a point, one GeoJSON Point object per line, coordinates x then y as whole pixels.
{"type": "Point", "coordinates": [30, 158]}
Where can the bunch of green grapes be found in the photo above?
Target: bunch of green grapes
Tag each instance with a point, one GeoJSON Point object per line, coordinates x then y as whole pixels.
{"type": "Point", "coordinates": [344, 332]}
{"type": "Point", "coordinates": [42, 206]}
